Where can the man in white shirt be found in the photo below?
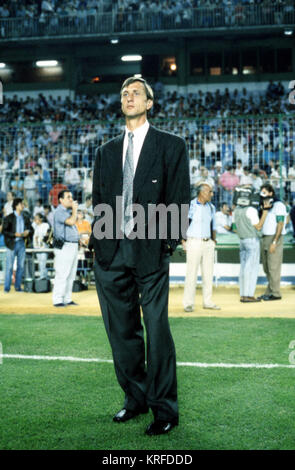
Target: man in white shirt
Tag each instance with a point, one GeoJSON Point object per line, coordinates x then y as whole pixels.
{"type": "Point", "coordinates": [199, 247]}
{"type": "Point", "coordinates": [223, 219]}
{"type": "Point", "coordinates": [272, 241]}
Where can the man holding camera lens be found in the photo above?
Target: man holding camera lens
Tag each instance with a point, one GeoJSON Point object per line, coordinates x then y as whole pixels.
{"type": "Point", "coordinates": [66, 239]}
{"type": "Point", "coordinates": [272, 242]}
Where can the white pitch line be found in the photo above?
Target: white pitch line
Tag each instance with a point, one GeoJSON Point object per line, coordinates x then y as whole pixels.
{"type": "Point", "coordinates": [181, 364]}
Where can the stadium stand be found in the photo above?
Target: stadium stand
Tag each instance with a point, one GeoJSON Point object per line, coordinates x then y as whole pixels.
{"type": "Point", "coordinates": [53, 17]}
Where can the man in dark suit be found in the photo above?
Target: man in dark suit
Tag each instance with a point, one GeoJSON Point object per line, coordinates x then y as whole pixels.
{"type": "Point", "coordinates": [146, 167]}
{"type": "Point", "coordinates": [16, 230]}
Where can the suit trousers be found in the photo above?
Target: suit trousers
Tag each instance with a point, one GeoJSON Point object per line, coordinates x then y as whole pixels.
{"type": "Point", "coordinates": [122, 293]}
{"type": "Point", "coordinates": [65, 265]}
{"type": "Point", "coordinates": [198, 253]}
{"type": "Point", "coordinates": [272, 264]}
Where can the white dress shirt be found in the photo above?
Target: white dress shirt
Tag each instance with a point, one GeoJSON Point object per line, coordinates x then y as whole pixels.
{"type": "Point", "coordinates": [138, 139]}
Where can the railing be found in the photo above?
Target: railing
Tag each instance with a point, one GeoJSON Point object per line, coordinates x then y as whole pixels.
{"type": "Point", "coordinates": [120, 22]}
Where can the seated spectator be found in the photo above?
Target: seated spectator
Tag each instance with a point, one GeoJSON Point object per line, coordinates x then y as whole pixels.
{"type": "Point", "coordinates": [84, 228]}
{"type": "Point", "coordinates": [223, 219]}
{"type": "Point", "coordinates": [48, 214]}
{"type": "Point", "coordinates": [40, 231]}
{"type": "Point", "coordinates": [7, 209]}
{"type": "Point", "coordinates": [38, 209]}
{"type": "Point", "coordinates": [72, 180]}
{"type": "Point", "coordinates": [204, 176]}
{"type": "Point", "coordinates": [17, 185]}
{"type": "Point", "coordinates": [87, 209]}
{"type": "Point", "coordinates": [246, 177]}
{"type": "Point", "coordinates": [30, 186]}
{"type": "Point", "coordinates": [256, 180]}
{"type": "Point", "coordinates": [43, 180]}
{"type": "Point", "coordinates": [228, 181]}
{"type": "Point", "coordinates": [53, 193]}
{"type": "Point", "coordinates": [239, 169]}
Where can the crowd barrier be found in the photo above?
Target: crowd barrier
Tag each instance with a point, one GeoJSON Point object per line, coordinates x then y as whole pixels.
{"type": "Point", "coordinates": [121, 21]}
{"type": "Point", "coordinates": [226, 263]}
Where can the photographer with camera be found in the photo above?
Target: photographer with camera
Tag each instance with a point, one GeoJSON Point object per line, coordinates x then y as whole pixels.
{"type": "Point", "coordinates": [272, 242]}
{"type": "Point", "coordinates": [247, 224]}
{"type": "Point", "coordinates": [66, 238]}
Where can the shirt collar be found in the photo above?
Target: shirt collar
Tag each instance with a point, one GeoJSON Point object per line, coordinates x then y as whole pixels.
{"type": "Point", "coordinates": [139, 131]}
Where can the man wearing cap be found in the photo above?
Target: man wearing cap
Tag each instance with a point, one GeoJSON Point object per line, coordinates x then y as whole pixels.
{"type": "Point", "coordinates": [199, 247]}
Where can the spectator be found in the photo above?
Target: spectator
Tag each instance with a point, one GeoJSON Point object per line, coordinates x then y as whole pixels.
{"type": "Point", "coordinates": [87, 209]}
{"type": "Point", "coordinates": [38, 207]}
{"type": "Point", "coordinates": [43, 183]}
{"type": "Point", "coordinates": [17, 185]}
{"type": "Point", "coordinates": [228, 180]}
{"type": "Point", "coordinates": [48, 214]}
{"type": "Point", "coordinates": [30, 189]}
{"type": "Point", "coordinates": [72, 180]}
{"type": "Point", "coordinates": [40, 231]}
{"type": "Point", "coordinates": [246, 178]}
{"type": "Point", "coordinates": [54, 192]}
{"type": "Point", "coordinates": [223, 219]}
{"type": "Point", "coordinates": [8, 205]}
{"type": "Point", "coordinates": [256, 180]}
{"type": "Point", "coordinates": [16, 230]}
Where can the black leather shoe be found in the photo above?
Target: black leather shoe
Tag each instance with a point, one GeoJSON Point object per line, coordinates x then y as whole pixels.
{"type": "Point", "coordinates": [72, 303]}
{"type": "Point", "coordinates": [124, 415]}
{"type": "Point", "coordinates": [159, 427]}
{"type": "Point", "coordinates": [262, 297]}
{"type": "Point", "coordinates": [59, 305]}
{"type": "Point", "coordinates": [271, 297]}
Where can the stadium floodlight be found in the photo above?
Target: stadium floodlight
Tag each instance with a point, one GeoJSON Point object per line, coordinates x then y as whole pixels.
{"type": "Point", "coordinates": [131, 58]}
{"type": "Point", "coordinates": [47, 63]}
{"type": "Point", "coordinates": [2, 65]}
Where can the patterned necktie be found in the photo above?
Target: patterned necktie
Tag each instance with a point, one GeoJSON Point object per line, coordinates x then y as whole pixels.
{"type": "Point", "coordinates": [128, 174]}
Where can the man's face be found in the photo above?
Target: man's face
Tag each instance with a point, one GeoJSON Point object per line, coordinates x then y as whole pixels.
{"type": "Point", "coordinates": [20, 207]}
{"type": "Point", "coordinates": [67, 200]}
{"type": "Point", "coordinates": [225, 209]}
{"type": "Point", "coordinates": [134, 101]}
{"type": "Point", "coordinates": [207, 193]}
{"type": "Point", "coordinates": [265, 193]}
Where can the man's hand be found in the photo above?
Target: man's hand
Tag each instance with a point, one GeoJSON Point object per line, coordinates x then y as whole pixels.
{"type": "Point", "coordinates": [26, 233]}
{"type": "Point", "coordinates": [75, 205]}
{"type": "Point", "coordinates": [183, 242]}
{"type": "Point", "coordinates": [272, 247]}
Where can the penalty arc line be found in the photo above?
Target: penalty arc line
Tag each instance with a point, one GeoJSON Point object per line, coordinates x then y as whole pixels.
{"type": "Point", "coordinates": [180, 364]}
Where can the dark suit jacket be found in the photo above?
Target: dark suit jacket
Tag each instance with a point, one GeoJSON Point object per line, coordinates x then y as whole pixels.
{"type": "Point", "coordinates": [161, 177]}
{"type": "Point", "coordinates": [9, 229]}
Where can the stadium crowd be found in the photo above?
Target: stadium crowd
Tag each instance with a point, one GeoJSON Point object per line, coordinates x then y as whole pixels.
{"type": "Point", "coordinates": [152, 14]}
{"type": "Point", "coordinates": [47, 144]}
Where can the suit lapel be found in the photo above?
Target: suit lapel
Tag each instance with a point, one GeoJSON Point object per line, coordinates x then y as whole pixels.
{"type": "Point", "coordinates": [145, 162]}
{"type": "Point", "coordinates": [114, 165]}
